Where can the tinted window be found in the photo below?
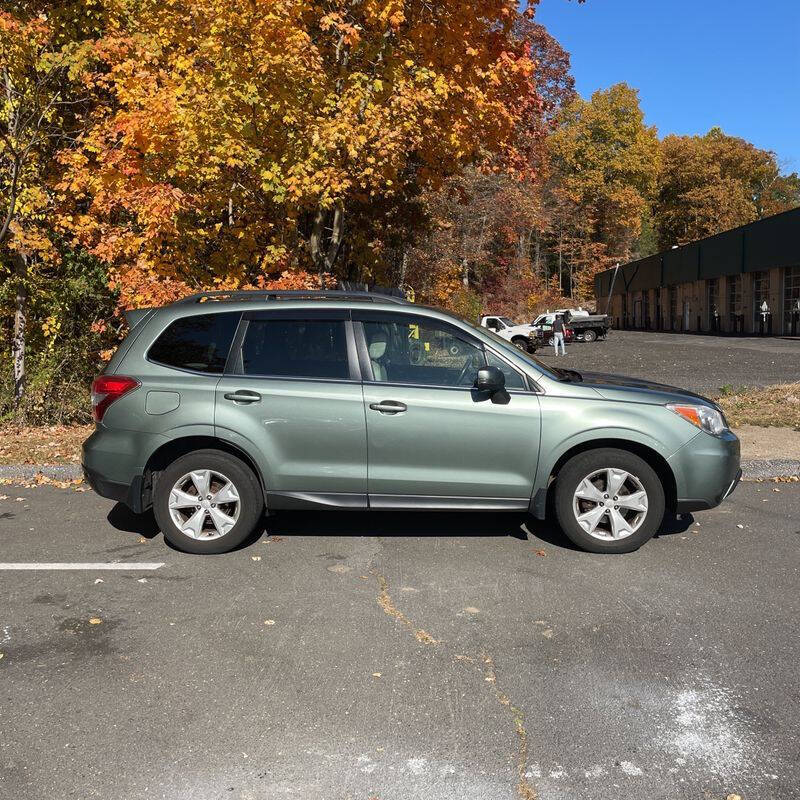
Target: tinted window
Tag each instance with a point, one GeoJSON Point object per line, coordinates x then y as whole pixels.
{"type": "Point", "coordinates": [421, 353]}
{"type": "Point", "coordinates": [199, 343]}
{"type": "Point", "coordinates": [296, 349]}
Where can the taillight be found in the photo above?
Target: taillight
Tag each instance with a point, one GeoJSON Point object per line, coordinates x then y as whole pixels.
{"type": "Point", "coordinates": [108, 388]}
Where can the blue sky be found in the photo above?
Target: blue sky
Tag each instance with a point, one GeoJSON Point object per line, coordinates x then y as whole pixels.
{"type": "Point", "coordinates": [696, 63]}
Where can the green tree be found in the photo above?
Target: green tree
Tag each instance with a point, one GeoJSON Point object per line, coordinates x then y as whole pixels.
{"type": "Point", "coordinates": [604, 164]}
{"type": "Point", "coordinates": [716, 182]}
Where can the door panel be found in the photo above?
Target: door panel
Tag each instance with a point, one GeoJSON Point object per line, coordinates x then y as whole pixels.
{"type": "Point", "coordinates": [452, 442]}
{"type": "Point", "coordinates": [441, 439]}
{"type": "Point", "coordinates": [289, 397]}
{"type": "Point", "coordinates": [310, 435]}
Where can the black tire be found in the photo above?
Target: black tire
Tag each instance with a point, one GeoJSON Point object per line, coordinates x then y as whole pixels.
{"type": "Point", "coordinates": [521, 342]}
{"type": "Point", "coordinates": [589, 462]}
{"type": "Point", "coordinates": [250, 501]}
{"type": "Point", "coordinates": [589, 336]}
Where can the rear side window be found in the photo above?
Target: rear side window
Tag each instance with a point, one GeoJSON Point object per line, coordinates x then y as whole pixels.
{"type": "Point", "coordinates": [199, 343]}
{"type": "Point", "coordinates": [296, 349]}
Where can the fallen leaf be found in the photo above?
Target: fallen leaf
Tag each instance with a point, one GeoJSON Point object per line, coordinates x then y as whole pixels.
{"type": "Point", "coordinates": [142, 580]}
{"type": "Point", "coordinates": [256, 558]}
{"type": "Point", "coordinates": [376, 674]}
{"type": "Point", "coordinates": [269, 621]}
{"type": "Point", "coordinates": [98, 580]}
{"type": "Point", "coordinates": [740, 526]}
{"type": "Point", "coordinates": [541, 553]}
{"type": "Point", "coordinates": [95, 621]}
{"type": "Point", "coordinates": [141, 540]}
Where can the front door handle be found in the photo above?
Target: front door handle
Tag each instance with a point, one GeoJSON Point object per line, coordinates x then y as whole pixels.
{"type": "Point", "coordinates": [389, 407]}
{"type": "Point", "coordinates": [243, 396]}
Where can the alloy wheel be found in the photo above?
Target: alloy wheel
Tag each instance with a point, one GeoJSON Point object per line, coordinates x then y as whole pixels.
{"type": "Point", "coordinates": [610, 504]}
{"type": "Point", "coordinates": [204, 504]}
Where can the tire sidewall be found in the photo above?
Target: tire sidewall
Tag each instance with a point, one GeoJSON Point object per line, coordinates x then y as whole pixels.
{"type": "Point", "coordinates": [250, 498]}
{"type": "Point", "coordinates": [583, 464]}
{"type": "Point", "coordinates": [589, 336]}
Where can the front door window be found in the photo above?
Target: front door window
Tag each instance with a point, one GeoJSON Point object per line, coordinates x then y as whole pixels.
{"type": "Point", "coordinates": [420, 353]}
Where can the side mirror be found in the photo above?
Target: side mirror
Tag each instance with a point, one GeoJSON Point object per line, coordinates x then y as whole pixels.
{"type": "Point", "coordinates": [490, 379]}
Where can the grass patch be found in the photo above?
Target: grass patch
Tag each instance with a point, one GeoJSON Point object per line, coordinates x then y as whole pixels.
{"type": "Point", "coordinates": [49, 444]}
{"type": "Point", "coordinates": [767, 406]}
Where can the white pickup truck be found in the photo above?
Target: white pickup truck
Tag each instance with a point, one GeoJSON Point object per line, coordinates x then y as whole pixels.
{"type": "Point", "coordinates": [518, 335]}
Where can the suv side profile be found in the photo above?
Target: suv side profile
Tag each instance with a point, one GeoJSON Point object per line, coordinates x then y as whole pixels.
{"type": "Point", "coordinates": [224, 405]}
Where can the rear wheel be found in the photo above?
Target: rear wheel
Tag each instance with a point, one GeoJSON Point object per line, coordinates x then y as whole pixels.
{"type": "Point", "coordinates": [609, 501]}
{"type": "Point", "coordinates": [207, 502]}
{"type": "Point", "coordinates": [589, 336]}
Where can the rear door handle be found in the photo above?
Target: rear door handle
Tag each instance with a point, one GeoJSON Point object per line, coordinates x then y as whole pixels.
{"type": "Point", "coordinates": [389, 407]}
{"type": "Point", "coordinates": [243, 396]}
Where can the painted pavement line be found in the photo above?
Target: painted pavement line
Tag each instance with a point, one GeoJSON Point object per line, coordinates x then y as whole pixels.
{"type": "Point", "coordinates": [67, 565]}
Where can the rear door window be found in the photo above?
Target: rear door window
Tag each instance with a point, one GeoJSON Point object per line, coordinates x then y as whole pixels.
{"type": "Point", "coordinates": [286, 348]}
{"type": "Point", "coordinates": [199, 343]}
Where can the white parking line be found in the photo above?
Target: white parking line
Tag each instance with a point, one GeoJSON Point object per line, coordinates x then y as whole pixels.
{"type": "Point", "coordinates": [118, 565]}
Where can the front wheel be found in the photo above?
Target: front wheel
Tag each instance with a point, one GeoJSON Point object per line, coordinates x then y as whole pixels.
{"type": "Point", "coordinates": [589, 336]}
{"type": "Point", "coordinates": [609, 501]}
{"type": "Point", "coordinates": [207, 502]}
{"type": "Point", "coordinates": [521, 343]}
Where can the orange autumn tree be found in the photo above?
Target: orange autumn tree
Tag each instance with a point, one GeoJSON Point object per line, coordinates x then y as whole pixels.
{"type": "Point", "coordinates": [233, 141]}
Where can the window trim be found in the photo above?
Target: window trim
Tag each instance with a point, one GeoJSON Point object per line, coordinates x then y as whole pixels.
{"type": "Point", "coordinates": [234, 367]}
{"type": "Point", "coordinates": [387, 316]}
{"type": "Point", "coordinates": [187, 370]}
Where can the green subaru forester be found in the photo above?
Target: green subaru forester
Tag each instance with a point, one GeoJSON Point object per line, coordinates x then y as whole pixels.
{"type": "Point", "coordinates": [224, 405]}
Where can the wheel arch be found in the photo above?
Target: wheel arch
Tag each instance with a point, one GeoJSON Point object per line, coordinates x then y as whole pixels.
{"type": "Point", "coordinates": [164, 455]}
{"type": "Point", "coordinates": [543, 496]}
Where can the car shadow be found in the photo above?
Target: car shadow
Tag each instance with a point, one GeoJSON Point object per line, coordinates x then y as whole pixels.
{"type": "Point", "coordinates": [123, 519]}
{"type": "Point", "coordinates": [395, 523]}
{"type": "Point", "coordinates": [450, 524]}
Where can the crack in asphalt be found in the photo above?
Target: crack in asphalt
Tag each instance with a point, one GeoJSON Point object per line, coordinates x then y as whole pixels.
{"type": "Point", "coordinates": [387, 604]}
{"type": "Point", "coordinates": [525, 789]}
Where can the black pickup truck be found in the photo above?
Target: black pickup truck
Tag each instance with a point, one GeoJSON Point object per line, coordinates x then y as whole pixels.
{"type": "Point", "coordinates": [583, 329]}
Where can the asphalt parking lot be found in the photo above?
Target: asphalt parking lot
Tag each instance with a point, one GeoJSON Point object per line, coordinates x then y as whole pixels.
{"type": "Point", "coordinates": [701, 363]}
{"type": "Point", "coordinates": [400, 656]}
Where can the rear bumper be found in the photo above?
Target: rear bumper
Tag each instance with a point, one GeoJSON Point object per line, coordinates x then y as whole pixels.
{"type": "Point", "coordinates": [114, 462]}
{"type": "Point", "coordinates": [129, 494]}
{"type": "Point", "coordinates": [707, 470]}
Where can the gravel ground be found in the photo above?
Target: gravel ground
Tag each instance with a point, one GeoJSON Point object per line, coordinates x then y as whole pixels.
{"type": "Point", "coordinates": [400, 657]}
{"type": "Point", "coordinates": [702, 364]}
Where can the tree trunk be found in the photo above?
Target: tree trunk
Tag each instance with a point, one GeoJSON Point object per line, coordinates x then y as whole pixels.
{"type": "Point", "coordinates": [325, 243]}
{"type": "Point", "coordinates": [20, 320]}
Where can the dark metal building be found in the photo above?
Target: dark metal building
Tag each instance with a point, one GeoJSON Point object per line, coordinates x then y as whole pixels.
{"type": "Point", "coordinates": [746, 280]}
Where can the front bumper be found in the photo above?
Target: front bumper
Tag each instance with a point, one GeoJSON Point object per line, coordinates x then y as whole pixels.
{"type": "Point", "coordinates": [707, 470]}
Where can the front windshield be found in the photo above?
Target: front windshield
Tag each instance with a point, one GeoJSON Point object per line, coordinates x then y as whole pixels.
{"type": "Point", "coordinates": [507, 321]}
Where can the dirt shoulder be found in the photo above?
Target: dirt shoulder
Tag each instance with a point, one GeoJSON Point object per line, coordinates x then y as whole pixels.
{"type": "Point", "coordinates": [768, 444]}
{"type": "Point", "coordinates": [52, 444]}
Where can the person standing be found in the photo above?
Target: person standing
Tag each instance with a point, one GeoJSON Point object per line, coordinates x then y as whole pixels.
{"type": "Point", "coordinates": [558, 335]}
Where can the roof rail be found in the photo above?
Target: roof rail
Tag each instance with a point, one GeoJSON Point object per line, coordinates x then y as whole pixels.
{"type": "Point", "coordinates": [310, 294]}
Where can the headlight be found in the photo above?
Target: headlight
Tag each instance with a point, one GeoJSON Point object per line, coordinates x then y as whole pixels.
{"type": "Point", "coordinates": [707, 419]}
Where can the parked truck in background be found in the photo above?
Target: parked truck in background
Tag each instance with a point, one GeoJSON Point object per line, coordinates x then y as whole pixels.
{"type": "Point", "coordinates": [518, 335]}
{"type": "Point", "coordinates": [586, 327]}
